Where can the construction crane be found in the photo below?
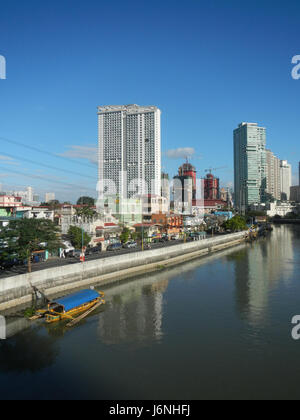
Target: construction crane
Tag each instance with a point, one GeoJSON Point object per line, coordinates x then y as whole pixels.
{"type": "Point", "coordinates": [214, 169]}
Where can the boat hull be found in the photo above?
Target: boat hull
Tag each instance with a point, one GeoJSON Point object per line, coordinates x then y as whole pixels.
{"type": "Point", "coordinates": [52, 316]}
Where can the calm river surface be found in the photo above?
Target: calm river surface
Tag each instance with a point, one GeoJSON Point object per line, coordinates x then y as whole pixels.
{"type": "Point", "coordinates": [219, 327]}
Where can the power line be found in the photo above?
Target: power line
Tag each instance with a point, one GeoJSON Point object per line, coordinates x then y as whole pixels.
{"type": "Point", "coordinates": [48, 166]}
{"type": "Point", "coordinates": [47, 179]}
{"type": "Point", "coordinates": [45, 152]}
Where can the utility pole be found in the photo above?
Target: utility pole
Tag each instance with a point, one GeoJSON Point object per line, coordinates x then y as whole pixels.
{"type": "Point", "coordinates": [82, 258]}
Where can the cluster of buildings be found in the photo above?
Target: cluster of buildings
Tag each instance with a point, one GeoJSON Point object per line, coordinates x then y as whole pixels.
{"type": "Point", "coordinates": [23, 204]}
{"type": "Point", "coordinates": [134, 192]}
{"type": "Point", "coordinates": [28, 196]}
{"type": "Point", "coordinates": [262, 181]}
{"type": "Point", "coordinates": [129, 165]}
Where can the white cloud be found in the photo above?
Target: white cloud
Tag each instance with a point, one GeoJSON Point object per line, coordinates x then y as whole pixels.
{"type": "Point", "coordinates": [180, 153]}
{"type": "Point", "coordinates": [89, 153]}
{"type": "Point", "coordinates": [6, 160]}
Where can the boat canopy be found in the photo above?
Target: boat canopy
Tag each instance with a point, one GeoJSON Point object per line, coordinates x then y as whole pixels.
{"type": "Point", "coordinates": [77, 299]}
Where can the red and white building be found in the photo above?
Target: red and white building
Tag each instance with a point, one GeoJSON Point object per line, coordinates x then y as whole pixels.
{"type": "Point", "coordinates": [7, 201]}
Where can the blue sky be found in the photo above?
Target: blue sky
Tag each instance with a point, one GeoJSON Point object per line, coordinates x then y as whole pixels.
{"type": "Point", "coordinates": [207, 66]}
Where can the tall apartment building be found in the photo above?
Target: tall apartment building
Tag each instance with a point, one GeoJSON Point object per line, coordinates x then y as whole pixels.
{"type": "Point", "coordinates": [249, 164]}
{"type": "Point", "coordinates": [273, 176]}
{"type": "Point", "coordinates": [165, 186]}
{"type": "Point", "coordinates": [295, 194]}
{"type": "Point", "coordinates": [49, 197]}
{"type": "Point", "coordinates": [286, 179]}
{"type": "Point", "coordinates": [29, 192]}
{"type": "Point", "coordinates": [129, 153]}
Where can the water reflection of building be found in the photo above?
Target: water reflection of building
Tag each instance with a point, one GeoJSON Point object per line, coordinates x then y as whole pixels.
{"type": "Point", "coordinates": [133, 312]}
{"type": "Point", "coordinates": [259, 269]}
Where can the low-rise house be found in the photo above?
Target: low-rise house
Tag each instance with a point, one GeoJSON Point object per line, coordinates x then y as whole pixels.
{"type": "Point", "coordinates": [10, 202]}
{"type": "Point", "coordinates": [100, 227]}
{"type": "Point", "coordinates": [201, 207]}
{"type": "Point", "coordinates": [153, 204]}
{"type": "Point", "coordinates": [127, 211]}
{"type": "Point", "coordinates": [170, 223]}
{"type": "Point", "coordinates": [147, 229]}
{"type": "Point", "coordinates": [281, 209]}
{"type": "Point", "coordinates": [39, 213]}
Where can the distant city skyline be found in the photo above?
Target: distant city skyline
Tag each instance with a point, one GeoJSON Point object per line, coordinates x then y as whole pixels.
{"type": "Point", "coordinates": [259, 175]}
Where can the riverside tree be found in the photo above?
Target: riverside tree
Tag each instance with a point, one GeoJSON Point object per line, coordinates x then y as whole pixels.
{"type": "Point", "coordinates": [78, 238]}
{"type": "Point", "coordinates": [124, 237]}
{"type": "Point", "coordinates": [88, 201]}
{"type": "Point", "coordinates": [22, 237]}
{"type": "Point", "coordinates": [237, 223]}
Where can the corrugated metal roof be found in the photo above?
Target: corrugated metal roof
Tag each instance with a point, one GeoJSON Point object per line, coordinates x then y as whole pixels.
{"type": "Point", "coordinates": [76, 299]}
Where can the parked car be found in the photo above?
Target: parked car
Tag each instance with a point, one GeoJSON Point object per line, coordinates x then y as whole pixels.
{"type": "Point", "coordinates": [130, 244]}
{"type": "Point", "coordinates": [164, 239]}
{"type": "Point", "coordinates": [92, 250]}
{"type": "Point", "coordinates": [9, 263]}
{"type": "Point", "coordinates": [114, 247]}
{"type": "Point", "coordinates": [75, 253]}
{"type": "Point", "coordinates": [175, 237]}
{"type": "Point", "coordinates": [68, 247]}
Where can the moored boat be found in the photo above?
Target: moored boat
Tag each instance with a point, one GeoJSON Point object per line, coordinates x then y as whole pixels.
{"type": "Point", "coordinates": [72, 305]}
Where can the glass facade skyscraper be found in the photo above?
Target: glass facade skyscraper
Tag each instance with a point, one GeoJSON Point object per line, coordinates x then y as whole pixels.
{"type": "Point", "coordinates": [250, 173]}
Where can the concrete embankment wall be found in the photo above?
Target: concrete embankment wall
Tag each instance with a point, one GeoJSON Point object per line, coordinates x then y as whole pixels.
{"type": "Point", "coordinates": [16, 290]}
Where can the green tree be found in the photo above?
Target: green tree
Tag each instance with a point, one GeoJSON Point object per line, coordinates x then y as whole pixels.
{"type": "Point", "coordinates": [254, 213]}
{"type": "Point", "coordinates": [54, 205]}
{"type": "Point", "coordinates": [134, 236]}
{"type": "Point", "coordinates": [291, 215]}
{"type": "Point", "coordinates": [235, 224]}
{"type": "Point", "coordinates": [22, 237]}
{"type": "Point", "coordinates": [89, 201]}
{"type": "Point", "coordinates": [86, 211]}
{"type": "Point", "coordinates": [124, 237]}
{"type": "Point", "coordinates": [75, 237]}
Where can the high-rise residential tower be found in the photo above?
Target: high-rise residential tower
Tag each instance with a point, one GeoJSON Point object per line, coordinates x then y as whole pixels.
{"type": "Point", "coordinates": [273, 176]}
{"type": "Point", "coordinates": [286, 179]}
{"type": "Point", "coordinates": [29, 194]}
{"type": "Point", "coordinates": [129, 153]}
{"type": "Point", "coordinates": [165, 186]}
{"type": "Point", "coordinates": [49, 197]}
{"type": "Point", "coordinates": [249, 165]}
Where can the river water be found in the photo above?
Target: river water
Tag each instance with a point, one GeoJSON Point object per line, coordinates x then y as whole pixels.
{"type": "Point", "coordinates": [215, 328]}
